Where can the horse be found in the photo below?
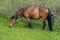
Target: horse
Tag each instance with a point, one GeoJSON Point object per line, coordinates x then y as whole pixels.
{"type": "Point", "coordinates": [35, 13]}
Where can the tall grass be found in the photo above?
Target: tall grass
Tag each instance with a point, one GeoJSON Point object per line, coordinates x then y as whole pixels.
{"type": "Point", "coordinates": [10, 7]}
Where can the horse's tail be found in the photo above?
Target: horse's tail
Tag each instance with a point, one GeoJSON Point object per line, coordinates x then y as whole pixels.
{"type": "Point", "coordinates": [50, 19]}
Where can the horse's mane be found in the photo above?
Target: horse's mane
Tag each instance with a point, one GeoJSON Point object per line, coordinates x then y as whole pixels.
{"type": "Point", "coordinates": [16, 15]}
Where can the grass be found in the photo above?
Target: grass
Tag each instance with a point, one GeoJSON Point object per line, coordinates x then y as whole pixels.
{"type": "Point", "coordinates": [21, 31]}
{"type": "Point", "coordinates": [11, 6]}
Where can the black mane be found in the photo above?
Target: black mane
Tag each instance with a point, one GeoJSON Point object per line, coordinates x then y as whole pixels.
{"type": "Point", "coordinates": [16, 15]}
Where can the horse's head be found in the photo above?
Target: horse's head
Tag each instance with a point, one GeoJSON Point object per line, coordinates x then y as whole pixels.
{"type": "Point", "coordinates": [12, 22]}
{"type": "Point", "coordinates": [14, 18]}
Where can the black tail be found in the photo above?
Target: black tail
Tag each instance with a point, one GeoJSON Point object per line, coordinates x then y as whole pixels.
{"type": "Point", "coordinates": [52, 19]}
{"type": "Point", "coordinates": [49, 19]}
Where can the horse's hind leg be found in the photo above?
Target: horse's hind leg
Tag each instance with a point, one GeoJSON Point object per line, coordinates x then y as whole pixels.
{"type": "Point", "coordinates": [29, 22]}
{"type": "Point", "coordinates": [44, 24]}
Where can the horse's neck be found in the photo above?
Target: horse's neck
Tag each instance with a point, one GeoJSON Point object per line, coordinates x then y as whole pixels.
{"type": "Point", "coordinates": [16, 16]}
{"type": "Point", "coordinates": [20, 13]}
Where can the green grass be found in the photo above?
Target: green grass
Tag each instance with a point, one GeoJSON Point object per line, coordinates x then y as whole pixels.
{"type": "Point", "coordinates": [21, 31]}
{"type": "Point", "coordinates": [9, 7]}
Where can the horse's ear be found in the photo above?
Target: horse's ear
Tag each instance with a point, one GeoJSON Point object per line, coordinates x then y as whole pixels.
{"type": "Point", "coordinates": [12, 17]}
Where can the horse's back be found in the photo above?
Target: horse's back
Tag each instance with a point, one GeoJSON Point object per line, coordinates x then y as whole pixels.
{"type": "Point", "coordinates": [36, 12]}
{"type": "Point", "coordinates": [32, 12]}
{"type": "Point", "coordinates": [43, 9]}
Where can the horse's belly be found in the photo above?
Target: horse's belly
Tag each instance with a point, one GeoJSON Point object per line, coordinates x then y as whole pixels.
{"type": "Point", "coordinates": [35, 17]}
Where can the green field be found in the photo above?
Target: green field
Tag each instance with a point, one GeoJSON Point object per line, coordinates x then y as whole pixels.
{"type": "Point", "coordinates": [21, 31]}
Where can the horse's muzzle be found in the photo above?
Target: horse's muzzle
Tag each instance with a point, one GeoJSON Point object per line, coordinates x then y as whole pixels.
{"type": "Point", "coordinates": [10, 25]}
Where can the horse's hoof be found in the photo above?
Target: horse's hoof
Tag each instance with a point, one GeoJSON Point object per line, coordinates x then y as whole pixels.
{"type": "Point", "coordinates": [30, 27]}
{"type": "Point", "coordinates": [43, 29]}
{"type": "Point", "coordinates": [50, 30]}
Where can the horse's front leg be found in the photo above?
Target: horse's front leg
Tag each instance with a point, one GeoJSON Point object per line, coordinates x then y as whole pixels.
{"type": "Point", "coordinates": [29, 23]}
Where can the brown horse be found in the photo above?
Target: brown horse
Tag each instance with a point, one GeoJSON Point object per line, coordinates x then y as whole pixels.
{"type": "Point", "coordinates": [30, 12]}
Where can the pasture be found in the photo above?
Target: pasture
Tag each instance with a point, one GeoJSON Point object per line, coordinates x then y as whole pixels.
{"type": "Point", "coordinates": [21, 31]}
